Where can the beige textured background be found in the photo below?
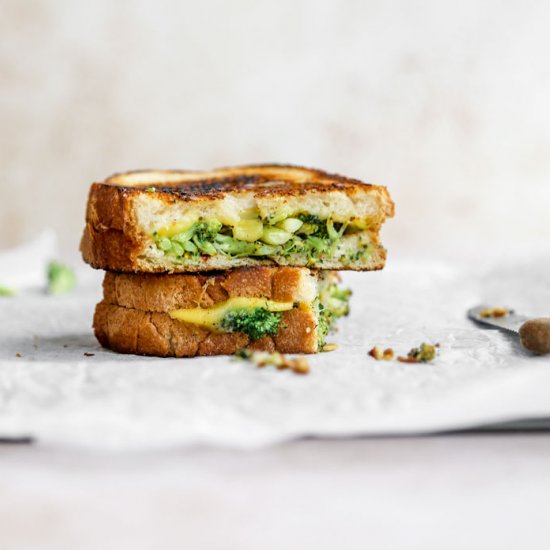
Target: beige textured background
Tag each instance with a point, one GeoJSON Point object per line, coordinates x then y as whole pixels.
{"type": "Point", "coordinates": [445, 102]}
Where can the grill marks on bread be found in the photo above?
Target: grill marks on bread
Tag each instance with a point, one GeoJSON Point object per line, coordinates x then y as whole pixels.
{"type": "Point", "coordinates": [261, 179]}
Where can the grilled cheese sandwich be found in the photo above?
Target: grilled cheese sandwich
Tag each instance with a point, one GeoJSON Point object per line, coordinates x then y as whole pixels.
{"type": "Point", "coordinates": [284, 309]}
{"type": "Point", "coordinates": [178, 221]}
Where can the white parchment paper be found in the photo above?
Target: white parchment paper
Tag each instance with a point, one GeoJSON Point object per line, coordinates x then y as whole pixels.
{"type": "Point", "coordinates": [57, 395]}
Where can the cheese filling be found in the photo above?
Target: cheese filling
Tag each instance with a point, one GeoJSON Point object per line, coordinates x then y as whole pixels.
{"type": "Point", "coordinates": [211, 318]}
{"type": "Point", "coordinates": [303, 234]}
{"type": "Point", "coordinates": [258, 317]}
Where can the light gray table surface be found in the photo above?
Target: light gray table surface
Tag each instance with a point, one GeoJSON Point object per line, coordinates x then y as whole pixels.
{"type": "Point", "coordinates": [463, 491]}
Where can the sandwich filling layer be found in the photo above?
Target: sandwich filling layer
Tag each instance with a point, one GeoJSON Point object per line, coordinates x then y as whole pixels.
{"type": "Point", "coordinates": [259, 317]}
{"type": "Point", "coordinates": [280, 237]}
{"type": "Point", "coordinates": [287, 309]}
{"type": "Point", "coordinates": [256, 317]}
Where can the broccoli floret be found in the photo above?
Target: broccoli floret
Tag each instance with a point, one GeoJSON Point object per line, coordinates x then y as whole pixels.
{"type": "Point", "coordinates": [198, 239]}
{"type": "Point", "coordinates": [256, 323]}
{"type": "Point", "coordinates": [338, 301]}
{"type": "Point", "coordinates": [424, 353]}
{"type": "Point", "coordinates": [207, 231]}
{"type": "Point", "coordinates": [61, 278]}
{"type": "Point", "coordinates": [5, 291]}
{"type": "Point", "coordinates": [326, 320]}
{"type": "Point", "coordinates": [314, 238]}
{"type": "Point", "coordinates": [313, 226]}
{"type": "Point", "coordinates": [205, 234]}
{"type": "Point", "coordinates": [333, 304]}
{"type": "Point", "coordinates": [319, 236]}
{"type": "Point", "coordinates": [311, 219]}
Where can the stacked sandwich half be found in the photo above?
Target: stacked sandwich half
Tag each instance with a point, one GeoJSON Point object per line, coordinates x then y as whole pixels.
{"type": "Point", "coordinates": [207, 263]}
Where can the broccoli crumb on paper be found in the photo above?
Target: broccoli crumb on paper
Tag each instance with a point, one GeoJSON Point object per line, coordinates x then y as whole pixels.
{"type": "Point", "coordinates": [6, 292]}
{"type": "Point", "coordinates": [299, 365]}
{"type": "Point", "coordinates": [422, 354]}
{"type": "Point", "coordinates": [61, 279]}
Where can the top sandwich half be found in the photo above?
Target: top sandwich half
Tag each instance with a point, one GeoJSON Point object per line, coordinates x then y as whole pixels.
{"type": "Point", "coordinates": [180, 221]}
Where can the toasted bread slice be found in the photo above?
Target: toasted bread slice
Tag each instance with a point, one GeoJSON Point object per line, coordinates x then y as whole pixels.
{"type": "Point", "coordinates": [165, 293]}
{"type": "Point", "coordinates": [150, 333]}
{"type": "Point", "coordinates": [187, 314]}
{"type": "Point", "coordinates": [180, 221]}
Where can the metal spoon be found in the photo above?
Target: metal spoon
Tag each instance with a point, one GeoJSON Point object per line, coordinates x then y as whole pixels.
{"type": "Point", "coordinates": [534, 334]}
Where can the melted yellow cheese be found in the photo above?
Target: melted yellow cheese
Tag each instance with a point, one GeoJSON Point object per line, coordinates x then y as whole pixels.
{"type": "Point", "coordinates": [178, 227]}
{"type": "Point", "coordinates": [234, 218]}
{"type": "Point", "coordinates": [223, 215]}
{"type": "Point", "coordinates": [211, 317]}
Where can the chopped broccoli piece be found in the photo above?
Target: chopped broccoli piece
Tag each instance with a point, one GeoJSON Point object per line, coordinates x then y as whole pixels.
{"type": "Point", "coordinates": [61, 278]}
{"type": "Point", "coordinates": [243, 353]}
{"type": "Point", "coordinates": [338, 301]}
{"type": "Point", "coordinates": [262, 359]}
{"type": "Point", "coordinates": [323, 328]}
{"type": "Point", "coordinates": [233, 247]}
{"type": "Point", "coordinates": [333, 303]}
{"type": "Point", "coordinates": [321, 229]}
{"type": "Point", "coordinates": [207, 231]}
{"type": "Point", "coordinates": [307, 234]}
{"type": "Point", "coordinates": [313, 226]}
{"type": "Point", "coordinates": [205, 235]}
{"type": "Point", "coordinates": [256, 323]}
{"type": "Point", "coordinates": [424, 353]}
{"type": "Point", "coordinates": [206, 247]}
{"type": "Point", "coordinates": [311, 219]}
{"type": "Point", "coordinates": [5, 291]}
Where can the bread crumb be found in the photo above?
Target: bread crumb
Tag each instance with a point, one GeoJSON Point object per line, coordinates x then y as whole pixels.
{"type": "Point", "coordinates": [86, 354]}
{"type": "Point", "coordinates": [18, 355]}
{"type": "Point", "coordinates": [329, 347]}
{"type": "Point", "coordinates": [407, 359]}
{"type": "Point", "coordinates": [261, 359]}
{"type": "Point", "coordinates": [376, 352]}
{"type": "Point", "coordinates": [300, 365]}
{"type": "Point", "coordinates": [494, 312]}
{"type": "Point", "coordinates": [381, 354]}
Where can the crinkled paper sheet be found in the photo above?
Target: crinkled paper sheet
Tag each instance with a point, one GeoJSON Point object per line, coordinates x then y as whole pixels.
{"type": "Point", "coordinates": [57, 395]}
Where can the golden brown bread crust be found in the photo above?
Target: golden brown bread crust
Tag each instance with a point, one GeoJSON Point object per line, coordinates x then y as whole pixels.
{"type": "Point", "coordinates": [134, 314]}
{"type": "Point", "coordinates": [111, 235]}
{"type": "Point", "coordinates": [112, 239]}
{"type": "Point", "coordinates": [127, 330]}
{"type": "Point", "coordinates": [113, 251]}
{"type": "Point", "coordinates": [164, 293]}
{"type": "Point", "coordinates": [263, 180]}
